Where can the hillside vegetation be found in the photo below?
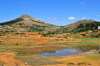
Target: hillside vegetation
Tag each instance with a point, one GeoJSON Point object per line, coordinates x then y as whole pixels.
{"type": "Point", "coordinates": [86, 27]}
{"type": "Point", "coordinates": [26, 23]}
{"type": "Point", "coordinates": [74, 25]}
{"type": "Point", "coordinates": [11, 22]}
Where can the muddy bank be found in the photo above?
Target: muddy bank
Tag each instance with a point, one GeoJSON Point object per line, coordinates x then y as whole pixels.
{"type": "Point", "coordinates": [63, 60]}
{"type": "Point", "coordinates": [56, 48]}
{"type": "Point", "coordinates": [89, 58]}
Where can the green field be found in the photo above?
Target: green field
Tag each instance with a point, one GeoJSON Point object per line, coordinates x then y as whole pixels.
{"type": "Point", "coordinates": [89, 41]}
{"type": "Point", "coordinates": [3, 50]}
{"type": "Point", "coordinates": [89, 38]}
{"type": "Point", "coordinates": [85, 43]}
{"type": "Point", "coordinates": [23, 55]}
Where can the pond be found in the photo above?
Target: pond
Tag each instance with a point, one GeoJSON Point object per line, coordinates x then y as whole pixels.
{"type": "Point", "coordinates": [62, 52]}
{"type": "Point", "coordinates": [70, 51]}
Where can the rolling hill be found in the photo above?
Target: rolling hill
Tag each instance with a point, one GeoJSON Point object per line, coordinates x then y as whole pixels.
{"type": "Point", "coordinates": [92, 26]}
{"type": "Point", "coordinates": [75, 25]}
{"type": "Point", "coordinates": [26, 23]}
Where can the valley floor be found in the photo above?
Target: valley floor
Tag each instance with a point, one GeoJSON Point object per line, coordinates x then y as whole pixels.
{"type": "Point", "coordinates": [82, 59]}
{"type": "Point", "coordinates": [18, 54]}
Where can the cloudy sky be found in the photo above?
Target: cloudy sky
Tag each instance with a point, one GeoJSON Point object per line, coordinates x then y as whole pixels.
{"type": "Point", "coordinates": [57, 12]}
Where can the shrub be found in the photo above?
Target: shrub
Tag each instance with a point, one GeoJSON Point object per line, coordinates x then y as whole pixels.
{"type": "Point", "coordinates": [81, 63]}
{"type": "Point", "coordinates": [70, 63]}
{"type": "Point", "coordinates": [61, 39]}
{"type": "Point", "coordinates": [16, 33]}
{"type": "Point", "coordinates": [97, 36]}
{"type": "Point", "coordinates": [17, 44]}
{"type": "Point", "coordinates": [44, 35]}
{"type": "Point", "coordinates": [20, 23]}
{"type": "Point", "coordinates": [83, 34]}
{"type": "Point", "coordinates": [57, 39]}
{"type": "Point", "coordinates": [25, 36]}
{"type": "Point", "coordinates": [65, 37]}
{"type": "Point", "coordinates": [23, 33]}
{"type": "Point", "coordinates": [39, 33]}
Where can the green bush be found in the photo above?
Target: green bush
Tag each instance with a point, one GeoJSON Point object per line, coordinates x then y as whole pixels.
{"type": "Point", "coordinates": [83, 34]}
{"type": "Point", "coordinates": [20, 23]}
{"type": "Point", "coordinates": [65, 37]}
{"type": "Point", "coordinates": [17, 44]}
{"type": "Point", "coordinates": [44, 35]}
{"type": "Point", "coordinates": [70, 63]}
{"type": "Point", "coordinates": [62, 39]}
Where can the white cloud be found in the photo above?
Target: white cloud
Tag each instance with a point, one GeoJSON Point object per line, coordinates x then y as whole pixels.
{"type": "Point", "coordinates": [49, 18]}
{"type": "Point", "coordinates": [52, 18]}
{"type": "Point", "coordinates": [82, 2]}
{"type": "Point", "coordinates": [63, 20]}
{"type": "Point", "coordinates": [84, 18]}
{"type": "Point", "coordinates": [56, 22]}
{"type": "Point", "coordinates": [71, 18]}
{"type": "Point", "coordinates": [98, 15]}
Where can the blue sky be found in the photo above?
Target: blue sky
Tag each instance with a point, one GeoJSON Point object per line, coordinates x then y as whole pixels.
{"type": "Point", "coordinates": [57, 12]}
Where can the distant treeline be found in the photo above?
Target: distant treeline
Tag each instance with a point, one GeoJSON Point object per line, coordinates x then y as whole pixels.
{"type": "Point", "coordinates": [11, 22]}
{"type": "Point", "coordinates": [49, 33]}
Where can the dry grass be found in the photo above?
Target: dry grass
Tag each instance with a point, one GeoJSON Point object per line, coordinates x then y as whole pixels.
{"type": "Point", "coordinates": [37, 60]}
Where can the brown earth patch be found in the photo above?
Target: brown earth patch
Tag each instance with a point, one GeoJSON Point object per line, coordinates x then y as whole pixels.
{"type": "Point", "coordinates": [7, 59]}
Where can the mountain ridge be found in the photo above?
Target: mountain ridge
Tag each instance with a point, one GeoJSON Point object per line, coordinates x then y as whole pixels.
{"type": "Point", "coordinates": [28, 24]}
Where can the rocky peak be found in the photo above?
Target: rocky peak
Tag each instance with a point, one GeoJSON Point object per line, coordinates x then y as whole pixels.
{"type": "Point", "coordinates": [25, 16]}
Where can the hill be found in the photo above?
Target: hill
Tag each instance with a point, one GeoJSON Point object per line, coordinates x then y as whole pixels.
{"type": "Point", "coordinates": [91, 26]}
{"type": "Point", "coordinates": [26, 23]}
{"type": "Point", "coordinates": [72, 26]}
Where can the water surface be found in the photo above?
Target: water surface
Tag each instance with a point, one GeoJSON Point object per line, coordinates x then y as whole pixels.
{"type": "Point", "coordinates": [62, 52]}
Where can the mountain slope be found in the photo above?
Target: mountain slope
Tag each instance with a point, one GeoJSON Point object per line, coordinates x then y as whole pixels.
{"type": "Point", "coordinates": [26, 23]}
{"type": "Point", "coordinates": [86, 27]}
{"type": "Point", "coordinates": [74, 25]}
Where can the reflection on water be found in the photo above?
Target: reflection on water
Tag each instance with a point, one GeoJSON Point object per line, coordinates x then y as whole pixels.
{"type": "Point", "coordinates": [70, 51]}
{"type": "Point", "coordinates": [63, 52]}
